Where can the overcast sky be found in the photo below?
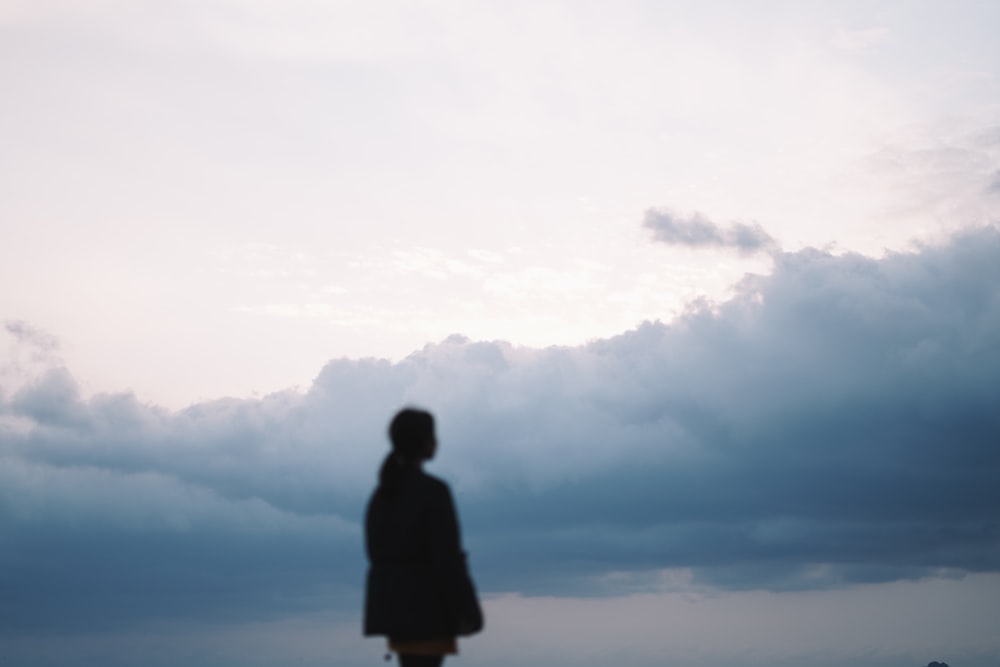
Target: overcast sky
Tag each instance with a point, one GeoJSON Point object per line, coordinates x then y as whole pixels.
{"type": "Point", "coordinates": [705, 296]}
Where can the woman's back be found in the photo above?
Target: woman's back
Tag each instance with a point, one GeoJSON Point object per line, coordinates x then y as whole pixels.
{"type": "Point", "coordinates": [418, 582]}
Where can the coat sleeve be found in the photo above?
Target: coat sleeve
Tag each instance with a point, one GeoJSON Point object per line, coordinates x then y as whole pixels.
{"type": "Point", "coordinates": [450, 562]}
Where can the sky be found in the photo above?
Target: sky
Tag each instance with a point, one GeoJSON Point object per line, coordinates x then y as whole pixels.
{"type": "Point", "coordinates": [705, 298]}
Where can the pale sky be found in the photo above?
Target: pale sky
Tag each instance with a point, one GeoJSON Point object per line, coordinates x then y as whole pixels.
{"type": "Point", "coordinates": [214, 198]}
{"type": "Point", "coordinates": [705, 295]}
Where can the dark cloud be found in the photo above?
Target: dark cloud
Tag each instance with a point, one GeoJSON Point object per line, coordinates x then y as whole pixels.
{"type": "Point", "coordinates": [834, 422]}
{"type": "Point", "coordinates": [697, 231]}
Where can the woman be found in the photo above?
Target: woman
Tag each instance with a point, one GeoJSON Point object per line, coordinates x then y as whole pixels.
{"type": "Point", "coordinates": [419, 592]}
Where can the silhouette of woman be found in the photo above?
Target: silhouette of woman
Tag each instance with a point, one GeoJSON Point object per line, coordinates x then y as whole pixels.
{"type": "Point", "coordinates": [419, 593]}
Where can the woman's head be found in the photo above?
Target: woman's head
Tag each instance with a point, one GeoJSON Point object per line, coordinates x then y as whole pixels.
{"type": "Point", "coordinates": [412, 434]}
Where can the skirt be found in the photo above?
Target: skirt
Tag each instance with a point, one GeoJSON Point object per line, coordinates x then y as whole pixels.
{"type": "Point", "coordinates": [441, 646]}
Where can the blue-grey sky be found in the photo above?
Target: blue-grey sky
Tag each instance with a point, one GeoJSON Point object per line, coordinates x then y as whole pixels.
{"type": "Point", "coordinates": [706, 298]}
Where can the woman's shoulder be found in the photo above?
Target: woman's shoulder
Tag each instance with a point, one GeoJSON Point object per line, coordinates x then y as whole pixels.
{"type": "Point", "coordinates": [430, 480]}
{"type": "Point", "coordinates": [433, 485]}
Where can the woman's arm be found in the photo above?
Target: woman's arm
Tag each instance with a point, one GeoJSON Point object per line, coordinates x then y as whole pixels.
{"type": "Point", "coordinates": [450, 562]}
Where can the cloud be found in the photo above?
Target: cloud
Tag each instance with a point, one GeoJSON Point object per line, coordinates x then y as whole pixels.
{"type": "Point", "coordinates": [30, 354]}
{"type": "Point", "coordinates": [833, 423]}
{"type": "Point", "coordinates": [697, 231]}
{"type": "Point", "coordinates": [936, 176]}
{"type": "Point", "coordinates": [29, 335]}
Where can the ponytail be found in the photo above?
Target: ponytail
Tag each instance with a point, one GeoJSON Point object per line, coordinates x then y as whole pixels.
{"type": "Point", "coordinates": [391, 474]}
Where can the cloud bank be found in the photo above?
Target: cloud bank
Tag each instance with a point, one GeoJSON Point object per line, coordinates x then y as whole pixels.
{"type": "Point", "coordinates": [697, 231]}
{"type": "Point", "coordinates": [833, 423]}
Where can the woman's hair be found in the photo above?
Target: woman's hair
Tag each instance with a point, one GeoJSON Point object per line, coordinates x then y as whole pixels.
{"type": "Point", "coordinates": [409, 432]}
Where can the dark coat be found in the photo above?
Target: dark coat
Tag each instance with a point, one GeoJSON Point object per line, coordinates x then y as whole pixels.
{"type": "Point", "coordinates": [418, 582]}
